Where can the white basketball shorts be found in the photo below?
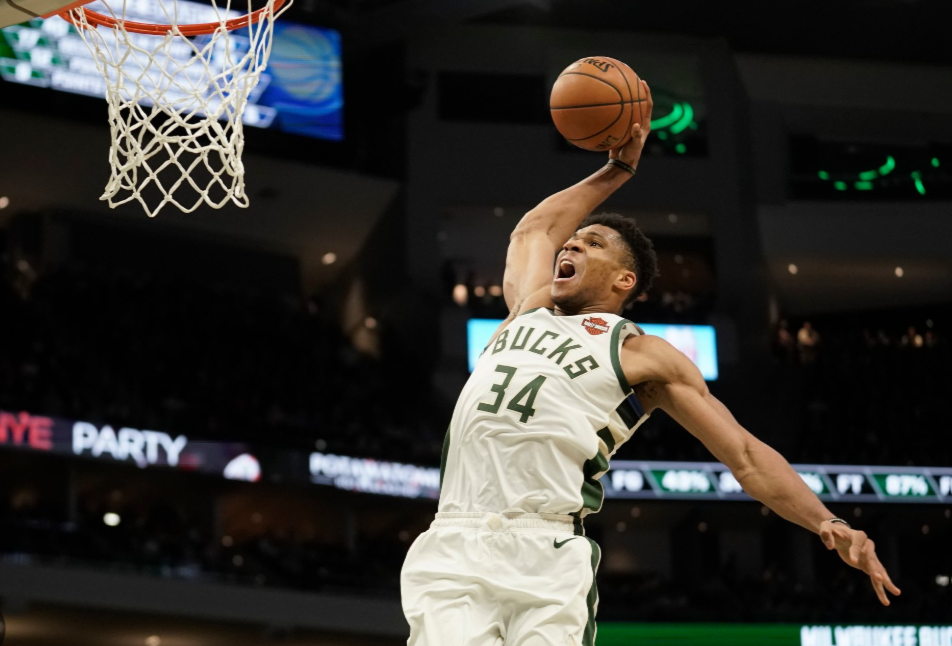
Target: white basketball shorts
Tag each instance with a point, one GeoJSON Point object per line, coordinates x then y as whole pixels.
{"type": "Point", "coordinates": [510, 579]}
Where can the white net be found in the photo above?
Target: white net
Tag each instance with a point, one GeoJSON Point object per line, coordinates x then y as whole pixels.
{"type": "Point", "coordinates": [176, 102]}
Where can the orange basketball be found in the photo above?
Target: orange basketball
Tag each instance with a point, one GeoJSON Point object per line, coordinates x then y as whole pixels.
{"type": "Point", "coordinates": [595, 102]}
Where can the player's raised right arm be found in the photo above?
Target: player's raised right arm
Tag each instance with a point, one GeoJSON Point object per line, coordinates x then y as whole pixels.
{"type": "Point", "coordinates": [543, 230]}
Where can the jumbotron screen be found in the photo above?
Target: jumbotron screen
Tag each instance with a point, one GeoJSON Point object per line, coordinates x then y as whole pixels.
{"type": "Point", "coordinates": [300, 92]}
{"type": "Point", "coordinates": [698, 342]}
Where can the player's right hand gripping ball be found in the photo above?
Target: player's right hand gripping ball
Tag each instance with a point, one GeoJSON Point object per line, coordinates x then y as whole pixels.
{"type": "Point", "coordinates": [595, 102]}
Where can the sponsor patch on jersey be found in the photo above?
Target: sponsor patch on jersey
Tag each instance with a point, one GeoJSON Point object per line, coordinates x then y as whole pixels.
{"type": "Point", "coordinates": [594, 325]}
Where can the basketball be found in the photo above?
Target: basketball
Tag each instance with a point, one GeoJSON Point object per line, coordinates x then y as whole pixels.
{"type": "Point", "coordinates": [595, 102]}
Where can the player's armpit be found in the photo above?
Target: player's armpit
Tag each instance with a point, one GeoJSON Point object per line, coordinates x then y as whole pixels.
{"type": "Point", "coordinates": [530, 261]}
{"type": "Point", "coordinates": [668, 380]}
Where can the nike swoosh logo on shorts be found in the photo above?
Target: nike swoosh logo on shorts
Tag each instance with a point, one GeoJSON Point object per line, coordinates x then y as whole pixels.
{"type": "Point", "coordinates": [557, 544]}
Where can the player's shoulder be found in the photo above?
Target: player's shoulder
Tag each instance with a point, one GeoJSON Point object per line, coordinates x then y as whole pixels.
{"type": "Point", "coordinates": [648, 344]}
{"type": "Point", "coordinates": [649, 357]}
{"type": "Point", "coordinates": [618, 321]}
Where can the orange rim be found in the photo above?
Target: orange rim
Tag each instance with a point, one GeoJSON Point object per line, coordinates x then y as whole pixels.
{"type": "Point", "coordinates": [101, 20]}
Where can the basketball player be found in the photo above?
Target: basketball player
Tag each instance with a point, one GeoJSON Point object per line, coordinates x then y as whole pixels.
{"type": "Point", "coordinates": [563, 383]}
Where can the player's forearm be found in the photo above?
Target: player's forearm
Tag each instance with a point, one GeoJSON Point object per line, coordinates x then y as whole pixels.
{"type": "Point", "coordinates": [769, 478]}
{"type": "Point", "coordinates": [560, 214]}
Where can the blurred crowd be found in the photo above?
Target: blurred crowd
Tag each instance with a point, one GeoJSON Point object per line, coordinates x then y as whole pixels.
{"type": "Point", "coordinates": [841, 596]}
{"type": "Point", "coordinates": [867, 395]}
{"type": "Point", "coordinates": [151, 351]}
{"type": "Point", "coordinates": [157, 352]}
{"type": "Point", "coordinates": [804, 346]}
{"type": "Point", "coordinates": [163, 541]}
{"type": "Point", "coordinates": [662, 307]}
{"type": "Point", "coordinates": [97, 344]}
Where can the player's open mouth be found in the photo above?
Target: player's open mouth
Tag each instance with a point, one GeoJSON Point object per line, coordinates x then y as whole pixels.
{"type": "Point", "coordinates": [565, 272]}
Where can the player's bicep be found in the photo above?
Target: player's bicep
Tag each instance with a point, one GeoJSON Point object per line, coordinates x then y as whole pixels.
{"type": "Point", "coordinates": [530, 263]}
{"type": "Point", "coordinates": [679, 389]}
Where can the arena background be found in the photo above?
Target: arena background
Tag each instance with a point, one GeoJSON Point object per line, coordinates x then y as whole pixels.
{"type": "Point", "coordinates": [225, 427]}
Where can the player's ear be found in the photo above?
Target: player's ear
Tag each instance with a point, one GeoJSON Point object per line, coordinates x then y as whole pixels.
{"type": "Point", "coordinates": [626, 279]}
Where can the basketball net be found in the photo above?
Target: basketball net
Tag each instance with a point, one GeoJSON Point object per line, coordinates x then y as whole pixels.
{"type": "Point", "coordinates": [176, 101]}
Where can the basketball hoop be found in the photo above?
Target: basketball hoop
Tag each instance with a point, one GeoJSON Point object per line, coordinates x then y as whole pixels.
{"type": "Point", "coordinates": [177, 95]}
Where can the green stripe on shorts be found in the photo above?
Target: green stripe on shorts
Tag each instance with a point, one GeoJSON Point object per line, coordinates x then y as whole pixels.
{"type": "Point", "coordinates": [588, 637]}
{"type": "Point", "coordinates": [444, 456]}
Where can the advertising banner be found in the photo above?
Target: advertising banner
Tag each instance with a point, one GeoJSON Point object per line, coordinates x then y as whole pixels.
{"type": "Point", "coordinates": [626, 479]}
{"type": "Point", "coordinates": [141, 447]}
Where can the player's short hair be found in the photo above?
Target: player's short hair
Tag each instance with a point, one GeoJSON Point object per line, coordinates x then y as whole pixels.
{"type": "Point", "coordinates": [640, 256]}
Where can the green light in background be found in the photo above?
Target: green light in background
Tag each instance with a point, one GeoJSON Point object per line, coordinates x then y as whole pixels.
{"type": "Point", "coordinates": [676, 113]}
{"type": "Point", "coordinates": [917, 178]}
{"type": "Point", "coordinates": [681, 148]}
{"type": "Point", "coordinates": [840, 186]}
{"type": "Point", "coordinates": [868, 175]}
{"type": "Point", "coordinates": [935, 162]}
{"type": "Point", "coordinates": [888, 167]}
{"type": "Point", "coordinates": [863, 186]}
{"type": "Point", "coordinates": [693, 126]}
{"type": "Point", "coordinates": [685, 119]}
{"type": "Point", "coordinates": [824, 175]}
{"type": "Point", "coordinates": [662, 135]}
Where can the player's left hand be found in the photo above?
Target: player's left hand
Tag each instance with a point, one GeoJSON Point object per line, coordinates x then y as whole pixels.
{"type": "Point", "coordinates": [857, 550]}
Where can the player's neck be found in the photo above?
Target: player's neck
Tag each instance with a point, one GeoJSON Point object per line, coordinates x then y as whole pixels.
{"type": "Point", "coordinates": [593, 308]}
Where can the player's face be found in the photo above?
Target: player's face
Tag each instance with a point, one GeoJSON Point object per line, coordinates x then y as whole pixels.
{"type": "Point", "coordinates": [588, 268]}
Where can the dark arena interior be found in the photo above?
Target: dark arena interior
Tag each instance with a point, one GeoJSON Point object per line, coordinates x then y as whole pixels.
{"type": "Point", "coordinates": [228, 426]}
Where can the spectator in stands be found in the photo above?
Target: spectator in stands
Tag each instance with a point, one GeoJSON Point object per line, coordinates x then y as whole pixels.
{"type": "Point", "coordinates": [808, 341]}
{"type": "Point", "coordinates": [912, 339]}
{"type": "Point", "coordinates": [786, 346]}
{"type": "Point", "coordinates": [202, 360]}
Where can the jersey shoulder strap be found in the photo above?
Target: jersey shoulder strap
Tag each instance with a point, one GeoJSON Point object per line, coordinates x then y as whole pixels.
{"type": "Point", "coordinates": [622, 328]}
{"type": "Point", "coordinates": [631, 409]}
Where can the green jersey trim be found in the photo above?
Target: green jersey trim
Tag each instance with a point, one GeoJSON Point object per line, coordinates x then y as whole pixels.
{"type": "Point", "coordinates": [593, 493]}
{"type": "Point", "coordinates": [534, 309]}
{"type": "Point", "coordinates": [616, 358]}
{"type": "Point", "coordinates": [630, 410]}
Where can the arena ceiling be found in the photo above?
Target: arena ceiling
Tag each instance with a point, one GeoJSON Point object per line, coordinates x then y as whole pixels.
{"type": "Point", "coordinates": [889, 30]}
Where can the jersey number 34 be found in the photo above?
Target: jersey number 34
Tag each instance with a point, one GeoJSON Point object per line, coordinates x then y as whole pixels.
{"type": "Point", "coordinates": [522, 401]}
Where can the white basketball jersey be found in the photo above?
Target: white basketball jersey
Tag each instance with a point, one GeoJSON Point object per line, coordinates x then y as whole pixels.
{"type": "Point", "coordinates": [539, 418]}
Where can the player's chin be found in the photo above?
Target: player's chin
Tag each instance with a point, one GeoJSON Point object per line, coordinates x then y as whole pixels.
{"type": "Point", "coordinates": [560, 290]}
{"type": "Point", "coordinates": [565, 294]}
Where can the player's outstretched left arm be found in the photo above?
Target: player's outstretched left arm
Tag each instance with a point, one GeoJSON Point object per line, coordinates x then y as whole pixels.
{"type": "Point", "coordinates": [668, 380]}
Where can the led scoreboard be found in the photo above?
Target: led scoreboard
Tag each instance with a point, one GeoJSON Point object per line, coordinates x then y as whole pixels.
{"type": "Point", "coordinates": [300, 92]}
{"type": "Point", "coordinates": [626, 478]}
{"type": "Point", "coordinates": [714, 481]}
